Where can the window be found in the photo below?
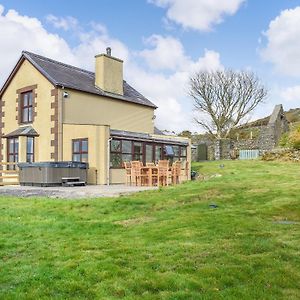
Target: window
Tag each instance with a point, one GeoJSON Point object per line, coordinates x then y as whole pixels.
{"type": "Point", "coordinates": [26, 107]}
{"type": "Point", "coordinates": [149, 153]}
{"type": "Point", "coordinates": [80, 150]}
{"type": "Point", "coordinates": [158, 153]}
{"type": "Point", "coordinates": [137, 151]}
{"type": "Point", "coordinates": [30, 150]}
{"type": "Point", "coordinates": [12, 152]}
{"type": "Point", "coordinates": [120, 151]}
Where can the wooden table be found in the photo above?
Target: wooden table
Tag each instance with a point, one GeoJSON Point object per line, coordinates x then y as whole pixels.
{"type": "Point", "coordinates": [151, 171]}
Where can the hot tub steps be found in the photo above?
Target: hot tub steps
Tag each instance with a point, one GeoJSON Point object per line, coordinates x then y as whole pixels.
{"type": "Point", "coordinates": [72, 181]}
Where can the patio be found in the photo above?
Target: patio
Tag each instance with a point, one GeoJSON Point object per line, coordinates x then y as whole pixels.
{"type": "Point", "coordinates": [90, 191]}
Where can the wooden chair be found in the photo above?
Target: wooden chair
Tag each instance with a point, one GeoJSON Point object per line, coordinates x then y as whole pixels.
{"type": "Point", "coordinates": [163, 172]}
{"type": "Point", "coordinates": [137, 176]}
{"type": "Point", "coordinates": [150, 164]}
{"type": "Point", "coordinates": [127, 167]}
{"type": "Point", "coordinates": [176, 172]}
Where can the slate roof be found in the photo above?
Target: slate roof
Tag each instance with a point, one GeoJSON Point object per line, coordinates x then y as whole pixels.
{"type": "Point", "coordinates": [63, 75]}
{"type": "Point", "coordinates": [23, 131]}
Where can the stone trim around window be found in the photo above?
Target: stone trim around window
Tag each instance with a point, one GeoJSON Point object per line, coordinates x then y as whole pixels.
{"type": "Point", "coordinates": [18, 102]}
{"type": "Point", "coordinates": [54, 129]}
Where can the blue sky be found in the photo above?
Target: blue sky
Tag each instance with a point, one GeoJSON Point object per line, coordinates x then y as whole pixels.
{"type": "Point", "coordinates": [163, 42]}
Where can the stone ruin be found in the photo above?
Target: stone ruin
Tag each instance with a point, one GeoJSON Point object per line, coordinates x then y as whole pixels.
{"type": "Point", "coordinates": [267, 137]}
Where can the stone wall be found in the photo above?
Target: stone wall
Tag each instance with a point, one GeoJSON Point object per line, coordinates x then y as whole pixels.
{"type": "Point", "coordinates": [267, 139]}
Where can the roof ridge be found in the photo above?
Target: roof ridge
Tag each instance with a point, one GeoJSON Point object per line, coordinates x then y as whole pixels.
{"type": "Point", "coordinates": [57, 62]}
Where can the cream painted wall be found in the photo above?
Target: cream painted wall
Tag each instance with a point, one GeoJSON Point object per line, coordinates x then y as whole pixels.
{"type": "Point", "coordinates": [83, 108]}
{"type": "Point", "coordinates": [97, 136]}
{"type": "Point", "coordinates": [27, 75]}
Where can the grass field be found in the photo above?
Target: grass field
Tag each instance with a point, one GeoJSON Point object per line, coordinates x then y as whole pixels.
{"type": "Point", "coordinates": [166, 244]}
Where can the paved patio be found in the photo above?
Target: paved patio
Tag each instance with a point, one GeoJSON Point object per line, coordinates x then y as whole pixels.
{"type": "Point", "coordinates": [90, 191]}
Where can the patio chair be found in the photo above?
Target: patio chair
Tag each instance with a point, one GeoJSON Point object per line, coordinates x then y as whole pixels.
{"type": "Point", "coordinates": [127, 167]}
{"type": "Point", "coordinates": [176, 172]}
{"type": "Point", "coordinates": [163, 172]}
{"type": "Point", "coordinates": [137, 176]}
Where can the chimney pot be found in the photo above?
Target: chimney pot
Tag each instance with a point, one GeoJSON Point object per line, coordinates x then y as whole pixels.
{"type": "Point", "coordinates": [108, 51]}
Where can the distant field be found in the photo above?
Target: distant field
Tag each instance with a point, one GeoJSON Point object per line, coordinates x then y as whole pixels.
{"type": "Point", "coordinates": [165, 244]}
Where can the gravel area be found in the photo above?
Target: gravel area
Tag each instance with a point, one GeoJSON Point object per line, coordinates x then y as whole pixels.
{"type": "Point", "coordinates": [90, 191]}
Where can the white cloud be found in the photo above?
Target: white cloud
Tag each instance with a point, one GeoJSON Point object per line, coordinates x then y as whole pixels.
{"type": "Point", "coordinates": [291, 94]}
{"type": "Point", "coordinates": [283, 43]}
{"type": "Point", "coordinates": [198, 14]}
{"type": "Point", "coordinates": [65, 23]}
{"type": "Point", "coordinates": [168, 90]}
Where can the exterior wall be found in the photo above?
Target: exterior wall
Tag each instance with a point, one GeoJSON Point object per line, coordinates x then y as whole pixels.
{"type": "Point", "coordinates": [83, 108]}
{"type": "Point", "coordinates": [109, 73]}
{"type": "Point", "coordinates": [28, 76]}
{"type": "Point", "coordinates": [97, 136]}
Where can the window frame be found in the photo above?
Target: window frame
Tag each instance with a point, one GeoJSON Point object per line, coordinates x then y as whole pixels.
{"type": "Point", "coordinates": [80, 152]}
{"type": "Point", "coordinates": [33, 149]}
{"type": "Point", "coordinates": [14, 154]}
{"type": "Point", "coordinates": [29, 117]}
{"type": "Point", "coordinates": [154, 145]}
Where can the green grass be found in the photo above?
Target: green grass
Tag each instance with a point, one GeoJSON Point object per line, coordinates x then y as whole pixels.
{"type": "Point", "coordinates": [165, 244]}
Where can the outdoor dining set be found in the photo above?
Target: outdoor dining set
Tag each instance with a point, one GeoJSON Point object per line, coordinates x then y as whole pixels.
{"type": "Point", "coordinates": [161, 174]}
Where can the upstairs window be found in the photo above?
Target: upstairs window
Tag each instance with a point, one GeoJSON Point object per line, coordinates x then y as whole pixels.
{"type": "Point", "coordinates": [26, 107]}
{"type": "Point", "coordinates": [80, 150]}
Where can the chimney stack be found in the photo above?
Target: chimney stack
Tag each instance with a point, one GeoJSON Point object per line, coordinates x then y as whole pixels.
{"type": "Point", "coordinates": [109, 73]}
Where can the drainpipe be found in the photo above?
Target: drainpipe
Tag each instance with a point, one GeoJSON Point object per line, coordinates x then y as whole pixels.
{"type": "Point", "coordinates": [108, 161]}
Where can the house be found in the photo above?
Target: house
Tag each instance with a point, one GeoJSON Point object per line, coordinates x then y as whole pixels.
{"type": "Point", "coordinates": [51, 111]}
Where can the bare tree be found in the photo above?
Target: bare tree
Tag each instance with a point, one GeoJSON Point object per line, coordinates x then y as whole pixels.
{"type": "Point", "coordinates": [225, 99]}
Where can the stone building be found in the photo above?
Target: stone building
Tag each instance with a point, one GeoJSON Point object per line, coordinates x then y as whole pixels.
{"type": "Point", "coordinates": [262, 135]}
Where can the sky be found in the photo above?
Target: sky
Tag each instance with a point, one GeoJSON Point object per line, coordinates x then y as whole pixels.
{"type": "Point", "coordinates": [163, 43]}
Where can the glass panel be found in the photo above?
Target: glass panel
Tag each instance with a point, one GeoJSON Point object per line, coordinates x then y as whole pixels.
{"type": "Point", "coordinates": [115, 146]}
{"type": "Point", "coordinates": [126, 157]}
{"type": "Point", "coordinates": [137, 148]}
{"type": "Point", "coordinates": [76, 146]}
{"type": "Point", "coordinates": [11, 146]}
{"type": "Point", "coordinates": [149, 153]}
{"type": "Point", "coordinates": [25, 115]}
{"type": "Point", "coordinates": [29, 114]}
{"type": "Point", "coordinates": [76, 157]}
{"type": "Point", "coordinates": [25, 99]}
{"type": "Point", "coordinates": [126, 146]}
{"type": "Point", "coordinates": [84, 158]}
{"type": "Point", "coordinates": [30, 145]}
{"type": "Point", "coordinates": [16, 158]}
{"type": "Point", "coordinates": [29, 158]}
{"type": "Point", "coordinates": [30, 98]}
{"type": "Point", "coordinates": [183, 151]}
{"type": "Point", "coordinates": [16, 140]}
{"type": "Point", "coordinates": [84, 146]}
{"type": "Point", "coordinates": [137, 157]}
{"type": "Point", "coordinates": [176, 150]}
{"type": "Point", "coordinates": [158, 152]}
{"type": "Point", "coordinates": [11, 158]}
{"type": "Point", "coordinates": [115, 160]}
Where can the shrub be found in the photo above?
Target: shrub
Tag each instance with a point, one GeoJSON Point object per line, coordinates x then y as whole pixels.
{"type": "Point", "coordinates": [291, 139]}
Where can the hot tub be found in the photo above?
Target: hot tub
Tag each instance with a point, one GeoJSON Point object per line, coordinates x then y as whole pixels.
{"type": "Point", "coordinates": [51, 173]}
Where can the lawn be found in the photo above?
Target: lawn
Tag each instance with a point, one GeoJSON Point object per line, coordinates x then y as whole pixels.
{"type": "Point", "coordinates": [165, 244]}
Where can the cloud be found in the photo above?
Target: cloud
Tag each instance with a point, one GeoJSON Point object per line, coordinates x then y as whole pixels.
{"type": "Point", "coordinates": [198, 14]}
{"type": "Point", "coordinates": [169, 89]}
{"type": "Point", "coordinates": [283, 43]}
{"type": "Point", "coordinates": [65, 23]}
{"type": "Point", "coordinates": [291, 94]}
{"type": "Point", "coordinates": [151, 71]}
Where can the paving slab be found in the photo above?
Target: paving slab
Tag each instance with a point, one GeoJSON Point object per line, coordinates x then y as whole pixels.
{"type": "Point", "coordinates": [89, 191]}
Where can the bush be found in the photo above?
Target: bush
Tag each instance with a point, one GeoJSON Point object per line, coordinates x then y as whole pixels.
{"type": "Point", "coordinates": [291, 140]}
